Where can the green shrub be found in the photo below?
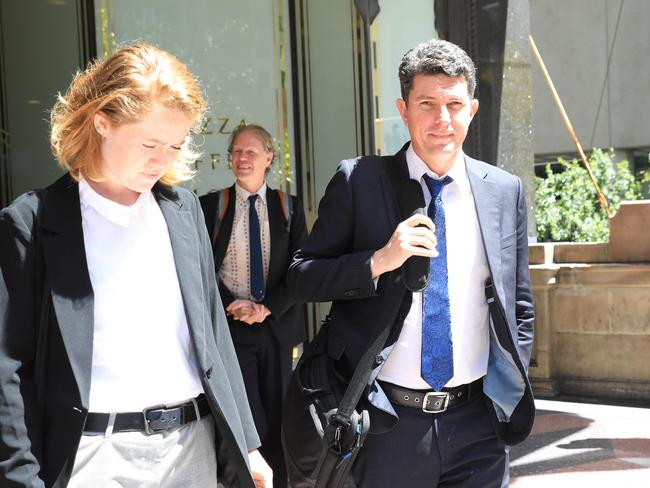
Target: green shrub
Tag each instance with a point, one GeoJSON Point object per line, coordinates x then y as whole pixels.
{"type": "Point", "coordinates": [566, 203]}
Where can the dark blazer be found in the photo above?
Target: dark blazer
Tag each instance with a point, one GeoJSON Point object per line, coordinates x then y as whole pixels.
{"type": "Point", "coordinates": [287, 320]}
{"type": "Point", "coordinates": [356, 216]}
{"type": "Point", "coordinates": [41, 422]}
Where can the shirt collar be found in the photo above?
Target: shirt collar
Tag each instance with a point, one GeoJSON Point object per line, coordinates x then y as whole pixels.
{"type": "Point", "coordinates": [244, 194]}
{"type": "Point", "coordinates": [418, 168]}
{"type": "Point", "coordinates": [117, 213]}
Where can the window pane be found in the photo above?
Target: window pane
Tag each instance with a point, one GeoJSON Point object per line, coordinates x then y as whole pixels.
{"type": "Point", "coordinates": [239, 51]}
{"type": "Point", "coordinates": [395, 30]}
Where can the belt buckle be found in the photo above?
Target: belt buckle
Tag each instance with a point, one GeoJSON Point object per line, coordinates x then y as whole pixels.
{"type": "Point", "coordinates": [162, 417]}
{"type": "Point", "coordinates": [166, 418]}
{"type": "Point", "coordinates": [436, 398]}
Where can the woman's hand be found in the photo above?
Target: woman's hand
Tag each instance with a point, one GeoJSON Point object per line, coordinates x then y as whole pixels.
{"type": "Point", "coordinates": [262, 473]}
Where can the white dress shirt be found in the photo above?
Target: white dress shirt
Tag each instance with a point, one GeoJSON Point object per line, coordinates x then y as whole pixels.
{"type": "Point", "coordinates": [142, 354]}
{"type": "Point", "coordinates": [235, 271]}
{"type": "Point", "coordinates": [467, 269]}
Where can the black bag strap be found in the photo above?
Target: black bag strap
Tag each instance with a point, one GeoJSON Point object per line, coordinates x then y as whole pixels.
{"type": "Point", "coordinates": [359, 379]}
{"type": "Point", "coordinates": [352, 395]}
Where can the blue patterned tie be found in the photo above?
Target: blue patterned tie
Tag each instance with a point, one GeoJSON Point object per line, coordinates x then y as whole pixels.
{"type": "Point", "coordinates": [437, 366]}
{"type": "Point", "coordinates": [257, 265]}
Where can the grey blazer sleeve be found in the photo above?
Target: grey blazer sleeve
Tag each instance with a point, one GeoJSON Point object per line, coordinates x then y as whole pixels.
{"type": "Point", "coordinates": [20, 431]}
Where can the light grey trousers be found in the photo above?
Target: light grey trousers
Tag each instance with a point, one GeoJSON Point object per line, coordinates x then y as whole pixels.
{"type": "Point", "coordinates": [183, 457]}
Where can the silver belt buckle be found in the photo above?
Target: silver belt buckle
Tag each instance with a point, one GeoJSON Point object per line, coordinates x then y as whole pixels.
{"type": "Point", "coordinates": [166, 416]}
{"type": "Point", "coordinates": [439, 400]}
{"type": "Point", "coordinates": [152, 424]}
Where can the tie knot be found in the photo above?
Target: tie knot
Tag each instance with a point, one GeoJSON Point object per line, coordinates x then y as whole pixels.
{"type": "Point", "coordinates": [435, 186]}
{"type": "Point", "coordinates": [252, 199]}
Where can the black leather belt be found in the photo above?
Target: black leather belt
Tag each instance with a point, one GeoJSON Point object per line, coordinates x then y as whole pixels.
{"type": "Point", "coordinates": [150, 420]}
{"type": "Point", "coordinates": [430, 401]}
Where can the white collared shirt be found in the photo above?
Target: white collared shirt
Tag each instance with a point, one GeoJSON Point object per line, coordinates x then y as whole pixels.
{"type": "Point", "coordinates": [467, 270]}
{"type": "Point", "coordinates": [235, 270]}
{"type": "Point", "coordinates": [142, 354]}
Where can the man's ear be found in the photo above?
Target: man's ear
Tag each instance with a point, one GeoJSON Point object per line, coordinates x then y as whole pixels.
{"type": "Point", "coordinates": [102, 124]}
{"type": "Point", "coordinates": [401, 108]}
{"type": "Point", "coordinates": [474, 107]}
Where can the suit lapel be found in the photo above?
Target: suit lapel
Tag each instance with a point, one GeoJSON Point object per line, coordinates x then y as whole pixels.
{"type": "Point", "coordinates": [181, 226]}
{"type": "Point", "coordinates": [396, 180]}
{"type": "Point", "coordinates": [225, 230]}
{"type": "Point", "coordinates": [488, 209]}
{"type": "Point", "coordinates": [67, 273]}
{"type": "Point", "coordinates": [277, 228]}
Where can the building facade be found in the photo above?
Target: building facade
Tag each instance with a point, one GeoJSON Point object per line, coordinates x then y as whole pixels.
{"type": "Point", "coordinates": [595, 53]}
{"type": "Point", "coordinates": [320, 74]}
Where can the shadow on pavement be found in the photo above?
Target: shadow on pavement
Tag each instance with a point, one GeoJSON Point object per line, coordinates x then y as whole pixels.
{"type": "Point", "coordinates": [549, 427]}
{"type": "Point", "coordinates": [543, 452]}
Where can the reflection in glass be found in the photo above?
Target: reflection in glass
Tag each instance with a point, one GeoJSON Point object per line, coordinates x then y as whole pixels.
{"type": "Point", "coordinates": [396, 29]}
{"type": "Point", "coordinates": [239, 51]}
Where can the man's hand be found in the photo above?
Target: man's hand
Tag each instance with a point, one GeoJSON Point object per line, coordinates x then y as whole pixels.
{"type": "Point", "coordinates": [262, 473]}
{"type": "Point", "coordinates": [248, 312]}
{"type": "Point", "coordinates": [257, 314]}
{"type": "Point", "coordinates": [413, 237]}
{"type": "Point", "coordinates": [262, 312]}
{"type": "Point", "coordinates": [240, 309]}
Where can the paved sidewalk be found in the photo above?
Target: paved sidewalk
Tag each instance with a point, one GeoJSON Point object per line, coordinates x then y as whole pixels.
{"type": "Point", "coordinates": [584, 445]}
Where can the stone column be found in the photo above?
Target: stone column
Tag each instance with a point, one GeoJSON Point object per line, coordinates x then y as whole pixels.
{"type": "Point", "coordinates": [515, 146]}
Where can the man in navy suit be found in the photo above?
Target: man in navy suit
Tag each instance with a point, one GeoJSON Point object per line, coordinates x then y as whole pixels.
{"type": "Point", "coordinates": [449, 391]}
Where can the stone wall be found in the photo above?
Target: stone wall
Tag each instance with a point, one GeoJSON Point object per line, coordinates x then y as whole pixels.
{"type": "Point", "coordinates": [593, 322]}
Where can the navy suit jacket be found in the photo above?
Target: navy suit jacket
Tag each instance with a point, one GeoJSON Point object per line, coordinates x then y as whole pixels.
{"type": "Point", "coordinates": [44, 388]}
{"type": "Point", "coordinates": [356, 216]}
{"type": "Point", "coordinates": [287, 319]}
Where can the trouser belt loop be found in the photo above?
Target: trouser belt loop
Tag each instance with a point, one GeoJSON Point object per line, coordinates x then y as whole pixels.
{"type": "Point", "coordinates": [110, 425]}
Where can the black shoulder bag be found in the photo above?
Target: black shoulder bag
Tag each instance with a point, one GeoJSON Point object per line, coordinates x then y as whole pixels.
{"type": "Point", "coordinates": [322, 431]}
{"type": "Point", "coordinates": [322, 428]}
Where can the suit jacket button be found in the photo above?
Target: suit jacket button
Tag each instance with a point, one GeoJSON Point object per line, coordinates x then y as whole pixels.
{"type": "Point", "coordinates": [208, 373]}
{"type": "Point", "coordinates": [379, 359]}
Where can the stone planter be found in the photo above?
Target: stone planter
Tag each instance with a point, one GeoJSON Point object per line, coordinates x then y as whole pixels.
{"type": "Point", "coordinates": [593, 312]}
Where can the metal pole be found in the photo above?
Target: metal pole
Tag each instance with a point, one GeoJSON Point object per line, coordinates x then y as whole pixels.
{"type": "Point", "coordinates": [567, 123]}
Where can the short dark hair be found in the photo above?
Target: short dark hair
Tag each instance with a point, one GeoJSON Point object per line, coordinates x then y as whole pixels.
{"type": "Point", "coordinates": [436, 57]}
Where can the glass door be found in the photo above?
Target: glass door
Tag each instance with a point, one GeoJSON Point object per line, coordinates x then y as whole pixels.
{"type": "Point", "coordinates": [395, 30]}
{"type": "Point", "coordinates": [240, 53]}
{"type": "Point", "coordinates": [42, 44]}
